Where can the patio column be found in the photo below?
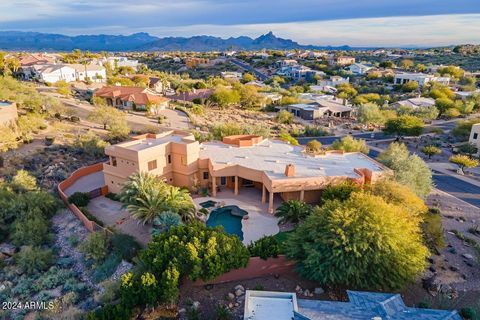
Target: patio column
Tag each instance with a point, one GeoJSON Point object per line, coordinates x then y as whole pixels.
{"type": "Point", "coordinates": [236, 185]}
{"type": "Point", "coordinates": [214, 186]}
{"type": "Point", "coordinates": [264, 194]}
{"type": "Point", "coordinates": [302, 194]}
{"type": "Point", "coordinates": [270, 202]}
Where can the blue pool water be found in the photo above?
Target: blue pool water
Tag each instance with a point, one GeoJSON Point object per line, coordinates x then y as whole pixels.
{"type": "Point", "coordinates": [230, 218]}
{"type": "Point", "coordinates": [208, 204]}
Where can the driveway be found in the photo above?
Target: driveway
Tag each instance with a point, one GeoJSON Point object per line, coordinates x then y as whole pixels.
{"type": "Point", "coordinates": [113, 215]}
{"type": "Point", "coordinates": [87, 183]}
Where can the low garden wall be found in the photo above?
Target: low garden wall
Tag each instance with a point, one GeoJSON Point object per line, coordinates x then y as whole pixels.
{"type": "Point", "coordinates": [256, 268]}
{"type": "Point", "coordinates": [77, 174]}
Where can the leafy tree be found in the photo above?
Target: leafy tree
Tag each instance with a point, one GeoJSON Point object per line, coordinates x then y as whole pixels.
{"type": "Point", "coordinates": [464, 127]}
{"type": "Point", "coordinates": [293, 211]}
{"type": "Point", "coordinates": [9, 139]}
{"type": "Point", "coordinates": [340, 192]}
{"type": "Point", "coordinates": [365, 98]}
{"type": "Point", "coordinates": [362, 242]}
{"type": "Point", "coordinates": [63, 88]}
{"type": "Point", "coordinates": [265, 247]}
{"type": "Point", "coordinates": [350, 144]}
{"type": "Point", "coordinates": [284, 117]}
{"type": "Point", "coordinates": [451, 113]}
{"type": "Point", "coordinates": [90, 144]}
{"type": "Point", "coordinates": [109, 117]}
{"type": "Point", "coordinates": [431, 151]}
{"type": "Point", "coordinates": [249, 97]}
{"type": "Point", "coordinates": [387, 64]}
{"type": "Point", "coordinates": [247, 77]}
{"type": "Point", "coordinates": [404, 126]}
{"type": "Point", "coordinates": [463, 161]}
{"type": "Point", "coordinates": [314, 146]}
{"type": "Point", "coordinates": [410, 86]}
{"type": "Point", "coordinates": [409, 170]}
{"type": "Point", "coordinates": [406, 64]}
{"type": "Point", "coordinates": [370, 113]}
{"type": "Point", "coordinates": [34, 259]}
{"type": "Point", "coordinates": [443, 104]}
{"type": "Point", "coordinates": [453, 71]}
{"type": "Point", "coordinates": [346, 91]}
{"type": "Point", "coordinates": [95, 246]}
{"type": "Point", "coordinates": [433, 231]}
{"type": "Point", "coordinates": [225, 97]}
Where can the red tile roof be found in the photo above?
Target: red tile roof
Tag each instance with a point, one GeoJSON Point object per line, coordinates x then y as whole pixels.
{"type": "Point", "coordinates": [137, 95]}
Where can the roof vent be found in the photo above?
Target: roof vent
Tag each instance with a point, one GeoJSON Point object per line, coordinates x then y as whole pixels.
{"type": "Point", "coordinates": [290, 170]}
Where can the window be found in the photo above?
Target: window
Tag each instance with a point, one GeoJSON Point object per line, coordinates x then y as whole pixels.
{"type": "Point", "coordinates": [205, 175]}
{"type": "Point", "coordinates": [232, 179]}
{"type": "Point", "coordinates": [152, 165]}
{"type": "Point", "coordinates": [475, 136]}
{"type": "Point", "coordinates": [114, 161]}
{"type": "Point", "coordinates": [169, 158]}
{"type": "Point", "coordinates": [223, 181]}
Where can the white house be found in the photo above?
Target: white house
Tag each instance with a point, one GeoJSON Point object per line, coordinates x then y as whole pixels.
{"type": "Point", "coordinates": [414, 103]}
{"type": "Point", "coordinates": [359, 68]}
{"type": "Point", "coordinates": [91, 72]}
{"type": "Point", "coordinates": [52, 73]}
{"type": "Point", "coordinates": [333, 81]}
{"type": "Point", "coordinates": [475, 136]}
{"type": "Point", "coordinates": [231, 75]}
{"type": "Point", "coordinates": [421, 78]}
{"type": "Point", "coordinates": [286, 63]}
{"type": "Point", "coordinates": [119, 62]}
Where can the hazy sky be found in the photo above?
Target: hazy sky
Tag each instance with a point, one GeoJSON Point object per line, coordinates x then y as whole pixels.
{"type": "Point", "coordinates": [335, 22]}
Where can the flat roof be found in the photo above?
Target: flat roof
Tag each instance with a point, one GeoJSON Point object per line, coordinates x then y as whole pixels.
{"type": "Point", "coordinates": [268, 305]}
{"type": "Point", "coordinates": [146, 143]}
{"type": "Point", "coordinates": [271, 156]}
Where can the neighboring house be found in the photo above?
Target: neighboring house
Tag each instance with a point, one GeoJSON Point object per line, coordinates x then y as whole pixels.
{"type": "Point", "coordinates": [359, 68]}
{"type": "Point", "coordinates": [318, 109]}
{"type": "Point", "coordinates": [286, 63]}
{"type": "Point", "coordinates": [256, 83]}
{"type": "Point", "coordinates": [92, 72]}
{"type": "Point", "coordinates": [33, 58]}
{"type": "Point", "coordinates": [158, 85]}
{"type": "Point", "coordinates": [133, 98]}
{"type": "Point", "coordinates": [475, 136]}
{"type": "Point", "coordinates": [464, 95]}
{"type": "Point", "coordinates": [333, 81]}
{"type": "Point", "coordinates": [271, 166]}
{"type": "Point", "coordinates": [421, 78]}
{"type": "Point", "coordinates": [8, 113]}
{"type": "Point", "coordinates": [414, 103]}
{"type": "Point", "coordinates": [269, 305]}
{"type": "Point", "coordinates": [271, 97]}
{"type": "Point", "coordinates": [231, 75]}
{"type": "Point", "coordinates": [49, 73]}
{"type": "Point", "coordinates": [194, 62]}
{"type": "Point", "coordinates": [118, 62]}
{"type": "Point", "coordinates": [298, 72]}
{"type": "Point", "coordinates": [191, 95]}
{"type": "Point", "coordinates": [341, 60]}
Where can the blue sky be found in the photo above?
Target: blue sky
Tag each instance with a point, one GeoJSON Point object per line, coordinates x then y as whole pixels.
{"type": "Point", "coordinates": [335, 22]}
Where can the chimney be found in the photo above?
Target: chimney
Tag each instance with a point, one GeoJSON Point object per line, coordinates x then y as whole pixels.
{"type": "Point", "coordinates": [290, 170]}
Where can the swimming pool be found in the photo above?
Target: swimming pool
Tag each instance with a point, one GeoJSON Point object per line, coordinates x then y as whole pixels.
{"type": "Point", "coordinates": [230, 218]}
{"type": "Point", "coordinates": [208, 204]}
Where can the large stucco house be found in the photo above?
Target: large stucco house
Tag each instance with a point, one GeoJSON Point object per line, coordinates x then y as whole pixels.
{"type": "Point", "coordinates": [271, 166]}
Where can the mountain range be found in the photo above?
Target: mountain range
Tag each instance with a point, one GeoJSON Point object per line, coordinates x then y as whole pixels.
{"type": "Point", "coordinates": [35, 41]}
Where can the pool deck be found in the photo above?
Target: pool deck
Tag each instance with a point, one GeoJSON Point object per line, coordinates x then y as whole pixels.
{"type": "Point", "coordinates": [259, 223]}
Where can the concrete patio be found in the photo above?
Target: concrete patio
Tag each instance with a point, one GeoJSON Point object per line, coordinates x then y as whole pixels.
{"type": "Point", "coordinates": [87, 183]}
{"type": "Point", "coordinates": [259, 223]}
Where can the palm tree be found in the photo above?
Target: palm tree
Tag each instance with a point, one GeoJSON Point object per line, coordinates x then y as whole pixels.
{"type": "Point", "coordinates": [137, 186]}
{"type": "Point", "coordinates": [147, 207]}
{"type": "Point", "coordinates": [293, 211]}
{"type": "Point", "coordinates": [179, 201]}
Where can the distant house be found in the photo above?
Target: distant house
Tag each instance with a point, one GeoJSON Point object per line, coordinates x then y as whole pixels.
{"type": "Point", "coordinates": [8, 113]}
{"type": "Point", "coordinates": [256, 83]}
{"type": "Point", "coordinates": [298, 72]}
{"type": "Point", "coordinates": [341, 60]}
{"type": "Point", "coordinates": [464, 95]}
{"type": "Point", "coordinates": [133, 98]}
{"type": "Point", "coordinates": [333, 81]}
{"type": "Point", "coordinates": [414, 103]}
{"type": "Point", "coordinates": [118, 62]}
{"type": "Point", "coordinates": [272, 97]}
{"type": "Point", "coordinates": [286, 63]}
{"type": "Point", "coordinates": [90, 72]}
{"type": "Point", "coordinates": [359, 68]}
{"type": "Point", "coordinates": [158, 85]}
{"type": "Point", "coordinates": [475, 136]}
{"type": "Point", "coordinates": [421, 78]}
{"type": "Point", "coordinates": [271, 305]}
{"type": "Point", "coordinates": [194, 62]}
{"type": "Point", "coordinates": [317, 109]}
{"type": "Point", "coordinates": [233, 75]}
{"type": "Point", "coordinates": [34, 58]}
{"type": "Point", "coordinates": [49, 73]}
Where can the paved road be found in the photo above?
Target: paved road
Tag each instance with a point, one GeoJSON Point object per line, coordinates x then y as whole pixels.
{"type": "Point", "coordinates": [456, 187]}
{"type": "Point", "coordinates": [260, 76]}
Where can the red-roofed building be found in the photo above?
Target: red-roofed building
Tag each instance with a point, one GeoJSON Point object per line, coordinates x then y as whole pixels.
{"type": "Point", "coordinates": [133, 98]}
{"type": "Point", "coordinates": [32, 59]}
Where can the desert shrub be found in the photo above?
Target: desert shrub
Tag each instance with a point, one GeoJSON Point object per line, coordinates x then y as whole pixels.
{"type": "Point", "coordinates": [222, 313]}
{"type": "Point", "coordinates": [264, 247]}
{"type": "Point", "coordinates": [31, 229]}
{"type": "Point", "coordinates": [433, 231]}
{"type": "Point", "coordinates": [95, 246]}
{"type": "Point", "coordinates": [23, 181]}
{"type": "Point", "coordinates": [106, 268]}
{"type": "Point", "coordinates": [111, 291]}
{"type": "Point", "coordinates": [350, 144]}
{"type": "Point", "coordinates": [80, 199]}
{"type": "Point", "coordinates": [284, 117]}
{"type": "Point", "coordinates": [125, 246]}
{"type": "Point", "coordinates": [34, 259]}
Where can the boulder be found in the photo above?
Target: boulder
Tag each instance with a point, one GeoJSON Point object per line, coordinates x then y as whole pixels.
{"type": "Point", "coordinates": [239, 292]}
{"type": "Point", "coordinates": [239, 287]}
{"type": "Point", "coordinates": [8, 249]}
{"type": "Point", "coordinates": [468, 256]}
{"type": "Point", "coordinates": [230, 296]}
{"type": "Point", "coordinates": [319, 290]}
{"type": "Point", "coordinates": [195, 305]}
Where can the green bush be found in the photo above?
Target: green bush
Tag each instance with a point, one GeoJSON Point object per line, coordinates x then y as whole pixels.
{"type": "Point", "coordinates": [265, 247]}
{"type": "Point", "coordinates": [338, 192]}
{"type": "Point", "coordinates": [34, 259]}
{"type": "Point", "coordinates": [95, 246]}
{"type": "Point", "coordinates": [468, 313]}
{"type": "Point", "coordinates": [106, 268]}
{"type": "Point", "coordinates": [125, 246]}
{"type": "Point", "coordinates": [80, 199]}
{"type": "Point", "coordinates": [31, 230]}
